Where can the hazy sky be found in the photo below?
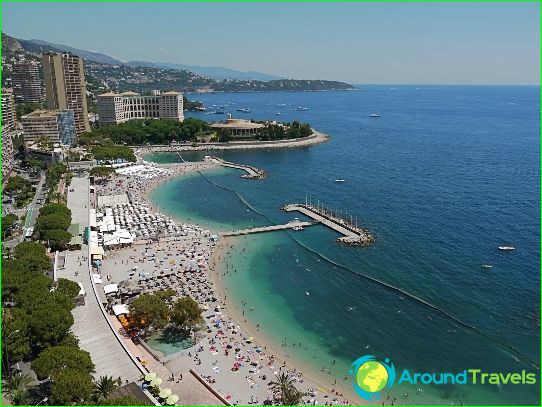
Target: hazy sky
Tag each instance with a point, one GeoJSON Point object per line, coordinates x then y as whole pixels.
{"type": "Point", "coordinates": [353, 42]}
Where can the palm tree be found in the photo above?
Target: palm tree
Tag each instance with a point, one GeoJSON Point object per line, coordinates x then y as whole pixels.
{"type": "Point", "coordinates": [15, 387]}
{"type": "Point", "coordinates": [290, 395]}
{"type": "Point", "coordinates": [104, 386]}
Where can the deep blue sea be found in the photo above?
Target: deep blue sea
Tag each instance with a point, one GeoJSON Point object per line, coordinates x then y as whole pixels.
{"type": "Point", "coordinates": [445, 176]}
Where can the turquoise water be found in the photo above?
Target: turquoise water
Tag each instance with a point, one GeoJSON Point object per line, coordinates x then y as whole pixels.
{"type": "Point", "coordinates": [168, 342]}
{"type": "Point", "coordinates": [445, 176]}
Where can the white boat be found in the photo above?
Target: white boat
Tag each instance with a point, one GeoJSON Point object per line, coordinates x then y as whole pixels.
{"type": "Point", "coordinates": [302, 109]}
{"type": "Point", "coordinates": [244, 110]}
{"type": "Point", "coordinates": [298, 228]}
{"type": "Point", "coordinates": [507, 248]}
{"type": "Point", "coordinates": [278, 113]}
{"type": "Point", "coordinates": [487, 266]}
{"type": "Point", "coordinates": [374, 115]}
{"type": "Point", "coordinates": [339, 180]}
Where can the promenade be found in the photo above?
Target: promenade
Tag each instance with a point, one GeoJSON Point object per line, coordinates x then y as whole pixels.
{"type": "Point", "coordinates": [90, 327]}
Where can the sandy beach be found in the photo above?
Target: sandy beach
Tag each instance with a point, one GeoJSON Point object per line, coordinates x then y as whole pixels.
{"type": "Point", "coordinates": [232, 356]}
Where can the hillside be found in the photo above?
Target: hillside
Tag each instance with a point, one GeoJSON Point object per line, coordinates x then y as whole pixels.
{"type": "Point", "coordinates": [106, 73]}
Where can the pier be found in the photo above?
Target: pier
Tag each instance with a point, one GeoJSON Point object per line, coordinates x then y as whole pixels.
{"type": "Point", "coordinates": [352, 234]}
{"type": "Point", "coordinates": [290, 225]}
{"type": "Point", "coordinates": [252, 172]}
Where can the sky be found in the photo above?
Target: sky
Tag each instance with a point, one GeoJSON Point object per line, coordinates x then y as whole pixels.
{"type": "Point", "coordinates": [360, 43]}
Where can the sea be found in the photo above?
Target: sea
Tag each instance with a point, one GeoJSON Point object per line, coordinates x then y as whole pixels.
{"type": "Point", "coordinates": [442, 178]}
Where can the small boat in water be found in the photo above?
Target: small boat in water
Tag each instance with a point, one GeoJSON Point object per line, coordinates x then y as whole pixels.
{"type": "Point", "coordinates": [244, 110]}
{"type": "Point", "coordinates": [219, 112]}
{"type": "Point", "coordinates": [298, 228]}
{"type": "Point", "coordinates": [374, 115]}
{"type": "Point", "coordinates": [278, 113]}
{"type": "Point", "coordinates": [339, 180]}
{"type": "Point", "coordinates": [302, 109]}
{"type": "Point", "coordinates": [507, 248]}
{"type": "Point", "coordinates": [487, 266]}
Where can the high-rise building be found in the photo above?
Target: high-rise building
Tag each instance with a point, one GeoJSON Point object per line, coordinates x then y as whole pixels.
{"type": "Point", "coordinates": [119, 108]}
{"type": "Point", "coordinates": [8, 160]}
{"type": "Point", "coordinates": [65, 87]}
{"type": "Point", "coordinates": [9, 116]}
{"type": "Point", "coordinates": [57, 125]}
{"type": "Point", "coordinates": [25, 78]}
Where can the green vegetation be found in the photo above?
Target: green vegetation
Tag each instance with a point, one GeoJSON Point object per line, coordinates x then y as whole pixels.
{"type": "Point", "coordinates": [53, 360]}
{"type": "Point", "coordinates": [52, 225]}
{"type": "Point", "coordinates": [192, 106]}
{"type": "Point", "coordinates": [22, 109]}
{"type": "Point", "coordinates": [111, 153]}
{"type": "Point", "coordinates": [54, 174]}
{"type": "Point", "coordinates": [37, 323]}
{"type": "Point", "coordinates": [186, 314]}
{"type": "Point", "coordinates": [8, 222]}
{"type": "Point", "coordinates": [151, 311]}
{"type": "Point", "coordinates": [149, 131]}
{"type": "Point", "coordinates": [102, 171]}
{"type": "Point", "coordinates": [288, 392]}
{"type": "Point", "coordinates": [15, 388]}
{"type": "Point", "coordinates": [21, 189]}
{"type": "Point", "coordinates": [104, 386]}
{"type": "Point", "coordinates": [285, 131]}
{"type": "Point", "coordinates": [121, 401]}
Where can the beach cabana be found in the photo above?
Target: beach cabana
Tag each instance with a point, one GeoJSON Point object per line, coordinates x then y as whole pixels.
{"type": "Point", "coordinates": [120, 309]}
{"type": "Point", "coordinates": [111, 288]}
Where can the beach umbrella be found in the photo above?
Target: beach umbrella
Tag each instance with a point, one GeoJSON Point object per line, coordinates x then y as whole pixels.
{"type": "Point", "coordinates": [164, 393]}
{"type": "Point", "coordinates": [150, 376]}
{"type": "Point", "coordinates": [171, 400]}
{"type": "Point", "coordinates": [156, 381]}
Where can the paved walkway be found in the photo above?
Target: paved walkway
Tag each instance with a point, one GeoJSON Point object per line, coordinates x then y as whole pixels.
{"type": "Point", "coordinates": [90, 327]}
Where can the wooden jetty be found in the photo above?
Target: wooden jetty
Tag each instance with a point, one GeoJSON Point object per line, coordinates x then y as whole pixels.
{"type": "Point", "coordinates": [352, 235]}
{"type": "Point", "coordinates": [252, 172]}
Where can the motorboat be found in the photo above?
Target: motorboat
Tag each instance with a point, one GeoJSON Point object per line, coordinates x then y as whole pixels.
{"type": "Point", "coordinates": [244, 110]}
{"type": "Point", "coordinates": [487, 266]}
{"type": "Point", "coordinates": [302, 109]}
{"type": "Point", "coordinates": [298, 228]}
{"type": "Point", "coordinates": [507, 248]}
{"type": "Point", "coordinates": [374, 115]}
{"type": "Point", "coordinates": [278, 113]}
{"type": "Point", "coordinates": [340, 180]}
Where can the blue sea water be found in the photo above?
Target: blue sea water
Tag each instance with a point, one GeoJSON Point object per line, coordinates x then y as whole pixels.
{"type": "Point", "coordinates": [445, 176]}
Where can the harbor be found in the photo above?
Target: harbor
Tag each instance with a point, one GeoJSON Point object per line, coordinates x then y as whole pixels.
{"type": "Point", "coordinates": [352, 234]}
{"type": "Point", "coordinates": [251, 172]}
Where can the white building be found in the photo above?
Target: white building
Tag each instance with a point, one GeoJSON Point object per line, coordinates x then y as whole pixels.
{"type": "Point", "coordinates": [119, 108]}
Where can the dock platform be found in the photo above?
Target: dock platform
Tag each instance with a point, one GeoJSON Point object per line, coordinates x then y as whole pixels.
{"type": "Point", "coordinates": [289, 225]}
{"type": "Point", "coordinates": [352, 235]}
{"type": "Point", "coordinates": [251, 172]}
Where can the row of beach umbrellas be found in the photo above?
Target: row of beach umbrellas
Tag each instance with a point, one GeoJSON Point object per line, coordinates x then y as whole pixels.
{"type": "Point", "coordinates": [165, 394]}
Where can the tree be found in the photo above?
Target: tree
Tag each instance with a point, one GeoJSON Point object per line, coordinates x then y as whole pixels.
{"type": "Point", "coordinates": [102, 171]}
{"type": "Point", "coordinates": [70, 340]}
{"type": "Point", "coordinates": [285, 385]}
{"type": "Point", "coordinates": [57, 239]}
{"type": "Point", "coordinates": [15, 387]}
{"type": "Point", "coordinates": [186, 314]}
{"type": "Point", "coordinates": [57, 197]}
{"type": "Point", "coordinates": [53, 360]}
{"type": "Point", "coordinates": [149, 310]}
{"type": "Point", "coordinates": [70, 387]}
{"type": "Point", "coordinates": [49, 324]}
{"type": "Point", "coordinates": [8, 222]}
{"type": "Point", "coordinates": [104, 386]}
{"type": "Point", "coordinates": [68, 287]}
{"type": "Point", "coordinates": [121, 401]}
{"type": "Point", "coordinates": [14, 326]}
{"type": "Point", "coordinates": [32, 257]}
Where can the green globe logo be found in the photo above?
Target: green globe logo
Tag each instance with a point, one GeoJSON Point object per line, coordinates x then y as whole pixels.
{"type": "Point", "coordinates": [372, 376]}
